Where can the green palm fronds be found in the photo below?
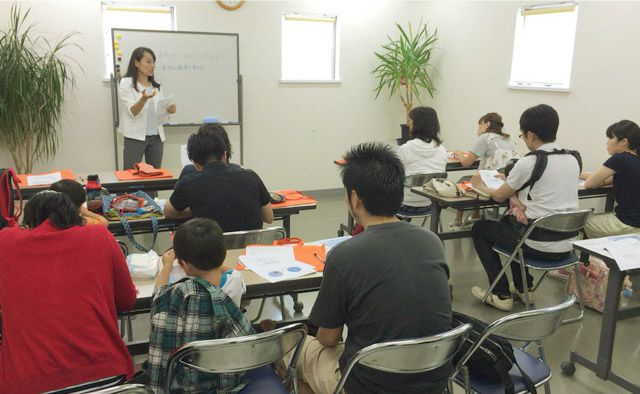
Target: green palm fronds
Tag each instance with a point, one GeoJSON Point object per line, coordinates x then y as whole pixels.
{"type": "Point", "coordinates": [404, 65]}
{"type": "Point", "coordinates": [33, 76]}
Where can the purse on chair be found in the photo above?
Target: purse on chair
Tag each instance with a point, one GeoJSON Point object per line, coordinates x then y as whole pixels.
{"type": "Point", "coordinates": [444, 188]}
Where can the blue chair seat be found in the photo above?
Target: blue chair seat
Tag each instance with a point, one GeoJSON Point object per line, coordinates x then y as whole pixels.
{"type": "Point", "coordinates": [535, 368]}
{"type": "Point", "coordinates": [264, 380]}
{"type": "Point", "coordinates": [541, 264]}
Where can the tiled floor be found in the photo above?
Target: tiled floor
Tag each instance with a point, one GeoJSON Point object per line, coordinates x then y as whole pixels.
{"type": "Point", "coordinates": [466, 272]}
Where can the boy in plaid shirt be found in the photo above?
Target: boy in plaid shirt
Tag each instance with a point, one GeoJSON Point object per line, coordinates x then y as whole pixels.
{"type": "Point", "coordinates": [193, 309]}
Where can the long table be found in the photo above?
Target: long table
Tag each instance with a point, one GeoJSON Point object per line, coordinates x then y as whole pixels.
{"type": "Point", "coordinates": [438, 203]}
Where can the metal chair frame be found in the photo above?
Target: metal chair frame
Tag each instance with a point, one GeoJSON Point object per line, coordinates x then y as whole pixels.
{"type": "Point", "coordinates": [408, 355]}
{"type": "Point", "coordinates": [126, 389]}
{"type": "Point", "coordinates": [559, 222]}
{"type": "Point", "coordinates": [527, 326]}
{"type": "Point", "coordinates": [239, 354]}
{"type": "Point", "coordinates": [419, 180]}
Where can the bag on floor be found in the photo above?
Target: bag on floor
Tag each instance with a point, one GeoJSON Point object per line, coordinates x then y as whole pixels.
{"type": "Point", "coordinates": [493, 360]}
{"type": "Point", "coordinates": [594, 278]}
{"type": "Point", "coordinates": [9, 182]}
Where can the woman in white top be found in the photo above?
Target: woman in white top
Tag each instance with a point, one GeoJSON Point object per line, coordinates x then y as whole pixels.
{"type": "Point", "coordinates": [422, 154]}
{"type": "Point", "coordinates": [140, 117]}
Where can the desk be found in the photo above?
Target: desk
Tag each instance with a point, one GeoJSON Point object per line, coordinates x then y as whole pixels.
{"type": "Point", "coordinates": [438, 203]}
{"type": "Point", "coordinates": [143, 226]}
{"type": "Point", "coordinates": [610, 316]}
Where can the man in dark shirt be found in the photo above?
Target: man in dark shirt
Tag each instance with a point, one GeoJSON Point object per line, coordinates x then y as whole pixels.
{"type": "Point", "coordinates": [388, 283]}
{"type": "Point", "coordinates": [234, 197]}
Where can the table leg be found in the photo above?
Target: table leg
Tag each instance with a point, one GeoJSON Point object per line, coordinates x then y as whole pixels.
{"type": "Point", "coordinates": [435, 216]}
{"type": "Point", "coordinates": [286, 223]}
{"type": "Point", "coordinates": [608, 205]}
{"type": "Point", "coordinates": [609, 321]}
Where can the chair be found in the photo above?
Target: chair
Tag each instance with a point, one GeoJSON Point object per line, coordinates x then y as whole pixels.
{"type": "Point", "coordinates": [126, 389]}
{"type": "Point", "coordinates": [566, 222]}
{"type": "Point", "coordinates": [526, 326]}
{"type": "Point", "coordinates": [417, 180]}
{"type": "Point", "coordinates": [246, 353]}
{"type": "Point", "coordinates": [408, 355]}
{"type": "Point", "coordinates": [241, 239]}
{"type": "Point", "coordinates": [94, 386]}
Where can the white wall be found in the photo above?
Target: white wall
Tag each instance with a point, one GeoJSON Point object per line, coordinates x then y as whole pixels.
{"type": "Point", "coordinates": [293, 132]}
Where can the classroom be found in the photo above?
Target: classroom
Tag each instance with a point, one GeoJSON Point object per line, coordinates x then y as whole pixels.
{"type": "Point", "coordinates": [293, 128]}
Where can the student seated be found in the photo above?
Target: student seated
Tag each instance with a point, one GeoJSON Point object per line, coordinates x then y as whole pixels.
{"type": "Point", "coordinates": [193, 309]}
{"type": "Point", "coordinates": [623, 169]}
{"type": "Point", "coordinates": [234, 197]}
{"type": "Point", "coordinates": [78, 196]}
{"type": "Point", "coordinates": [494, 148]}
{"type": "Point", "coordinates": [388, 283]}
{"type": "Point", "coordinates": [422, 154]}
{"type": "Point", "coordinates": [556, 191]}
{"type": "Point", "coordinates": [61, 287]}
{"type": "Point", "coordinates": [215, 129]}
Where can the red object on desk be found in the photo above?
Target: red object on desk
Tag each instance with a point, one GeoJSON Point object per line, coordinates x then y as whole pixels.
{"type": "Point", "coordinates": [314, 255]}
{"type": "Point", "coordinates": [134, 174]}
{"type": "Point", "coordinates": [66, 174]}
{"type": "Point", "coordinates": [293, 198]}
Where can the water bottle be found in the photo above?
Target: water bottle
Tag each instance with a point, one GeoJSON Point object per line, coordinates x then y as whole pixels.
{"type": "Point", "coordinates": [95, 191]}
{"type": "Point", "coordinates": [627, 292]}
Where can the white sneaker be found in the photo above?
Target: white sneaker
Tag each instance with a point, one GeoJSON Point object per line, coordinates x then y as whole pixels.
{"type": "Point", "coordinates": [520, 295]}
{"type": "Point", "coordinates": [493, 300]}
{"type": "Point", "coordinates": [453, 226]}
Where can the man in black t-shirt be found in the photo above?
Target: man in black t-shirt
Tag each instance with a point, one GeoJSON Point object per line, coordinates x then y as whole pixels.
{"type": "Point", "coordinates": [232, 196]}
{"type": "Point", "coordinates": [388, 283]}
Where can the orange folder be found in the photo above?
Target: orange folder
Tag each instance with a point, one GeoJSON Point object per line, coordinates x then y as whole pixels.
{"type": "Point", "coordinates": [128, 175]}
{"type": "Point", "coordinates": [314, 255]}
{"type": "Point", "coordinates": [66, 174]}
{"type": "Point", "coordinates": [293, 198]}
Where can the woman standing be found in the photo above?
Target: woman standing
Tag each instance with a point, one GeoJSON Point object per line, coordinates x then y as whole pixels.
{"type": "Point", "coordinates": [140, 116]}
{"type": "Point", "coordinates": [61, 286]}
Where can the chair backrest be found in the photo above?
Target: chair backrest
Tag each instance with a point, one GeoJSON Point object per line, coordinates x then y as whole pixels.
{"type": "Point", "coordinates": [409, 355]}
{"type": "Point", "coordinates": [126, 389]}
{"type": "Point", "coordinates": [564, 222]}
{"type": "Point", "coordinates": [238, 354]}
{"type": "Point", "coordinates": [532, 325]}
{"type": "Point", "coordinates": [240, 239]}
{"type": "Point", "coordinates": [416, 180]}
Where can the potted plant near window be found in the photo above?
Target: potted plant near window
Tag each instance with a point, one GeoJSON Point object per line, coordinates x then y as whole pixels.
{"type": "Point", "coordinates": [33, 77]}
{"type": "Point", "coordinates": [404, 67]}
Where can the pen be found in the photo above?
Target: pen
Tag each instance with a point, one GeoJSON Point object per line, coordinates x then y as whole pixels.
{"type": "Point", "coordinates": [317, 256]}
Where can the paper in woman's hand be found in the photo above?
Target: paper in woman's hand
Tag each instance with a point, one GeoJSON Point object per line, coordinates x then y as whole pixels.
{"type": "Point", "coordinates": [161, 113]}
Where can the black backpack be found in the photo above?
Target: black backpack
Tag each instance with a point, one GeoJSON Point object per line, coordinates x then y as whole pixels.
{"type": "Point", "coordinates": [493, 359]}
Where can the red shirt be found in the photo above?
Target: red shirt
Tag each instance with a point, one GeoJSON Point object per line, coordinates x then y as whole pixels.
{"type": "Point", "coordinates": [59, 293]}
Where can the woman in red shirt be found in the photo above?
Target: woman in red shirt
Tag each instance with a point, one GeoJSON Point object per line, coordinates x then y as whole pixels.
{"type": "Point", "coordinates": [61, 286]}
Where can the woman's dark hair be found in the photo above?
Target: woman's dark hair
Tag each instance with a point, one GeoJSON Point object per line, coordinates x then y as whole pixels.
{"type": "Point", "coordinates": [72, 189]}
{"type": "Point", "coordinates": [55, 206]}
{"type": "Point", "coordinates": [207, 144]}
{"type": "Point", "coordinates": [495, 123]}
{"type": "Point", "coordinates": [199, 242]}
{"type": "Point", "coordinates": [132, 70]}
{"type": "Point", "coordinates": [626, 129]}
{"type": "Point", "coordinates": [425, 124]}
{"type": "Point", "coordinates": [216, 128]}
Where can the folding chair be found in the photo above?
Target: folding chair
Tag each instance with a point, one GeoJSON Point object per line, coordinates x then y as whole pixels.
{"type": "Point", "coordinates": [417, 180]}
{"type": "Point", "coordinates": [246, 353]}
{"type": "Point", "coordinates": [408, 355]}
{"type": "Point", "coordinates": [126, 389]}
{"type": "Point", "coordinates": [93, 386]}
{"type": "Point", "coordinates": [526, 326]}
{"type": "Point", "coordinates": [566, 222]}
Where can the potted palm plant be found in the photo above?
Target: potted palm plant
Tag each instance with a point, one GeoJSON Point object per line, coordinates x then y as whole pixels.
{"type": "Point", "coordinates": [404, 66]}
{"type": "Point", "coordinates": [33, 77]}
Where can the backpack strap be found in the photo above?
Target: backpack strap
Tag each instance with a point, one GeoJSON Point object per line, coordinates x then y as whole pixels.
{"type": "Point", "coordinates": [541, 165]}
{"type": "Point", "coordinates": [6, 179]}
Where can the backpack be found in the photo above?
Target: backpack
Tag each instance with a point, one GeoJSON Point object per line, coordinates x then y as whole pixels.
{"type": "Point", "coordinates": [541, 165]}
{"type": "Point", "coordinates": [9, 182]}
{"type": "Point", "coordinates": [493, 359]}
{"type": "Point", "coordinates": [500, 156]}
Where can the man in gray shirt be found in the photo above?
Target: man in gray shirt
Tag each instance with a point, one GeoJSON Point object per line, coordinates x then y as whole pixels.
{"type": "Point", "coordinates": [388, 283]}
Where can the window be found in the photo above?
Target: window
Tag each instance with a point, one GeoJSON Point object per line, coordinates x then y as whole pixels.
{"type": "Point", "coordinates": [129, 16]}
{"type": "Point", "coordinates": [309, 48]}
{"type": "Point", "coordinates": [543, 46]}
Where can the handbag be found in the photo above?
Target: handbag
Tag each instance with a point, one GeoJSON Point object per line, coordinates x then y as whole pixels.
{"type": "Point", "coordinates": [444, 188]}
{"type": "Point", "coordinates": [136, 205]}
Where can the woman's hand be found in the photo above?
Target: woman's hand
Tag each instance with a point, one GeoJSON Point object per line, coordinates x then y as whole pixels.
{"type": "Point", "coordinates": [171, 109]}
{"type": "Point", "coordinates": [146, 95]}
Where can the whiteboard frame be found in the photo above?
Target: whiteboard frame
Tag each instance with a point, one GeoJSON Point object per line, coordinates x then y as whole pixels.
{"type": "Point", "coordinates": [114, 88]}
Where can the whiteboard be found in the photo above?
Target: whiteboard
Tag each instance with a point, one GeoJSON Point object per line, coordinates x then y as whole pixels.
{"type": "Point", "coordinates": [200, 70]}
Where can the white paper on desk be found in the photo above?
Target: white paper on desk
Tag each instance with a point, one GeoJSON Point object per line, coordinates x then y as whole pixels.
{"type": "Point", "coordinates": [161, 109]}
{"type": "Point", "coordinates": [276, 270]}
{"type": "Point", "coordinates": [329, 243]}
{"type": "Point", "coordinates": [626, 252]}
{"type": "Point", "coordinates": [46, 179]}
{"type": "Point", "coordinates": [184, 156]}
{"type": "Point", "coordinates": [489, 178]}
{"type": "Point", "coordinates": [284, 252]}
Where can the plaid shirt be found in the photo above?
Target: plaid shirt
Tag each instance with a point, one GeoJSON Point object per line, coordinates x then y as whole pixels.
{"type": "Point", "coordinates": [192, 310]}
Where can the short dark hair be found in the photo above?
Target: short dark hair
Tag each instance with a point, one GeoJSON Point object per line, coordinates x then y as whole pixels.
{"type": "Point", "coordinates": [72, 189]}
{"type": "Point", "coordinates": [377, 175]}
{"type": "Point", "coordinates": [626, 129]}
{"type": "Point", "coordinates": [542, 120]}
{"type": "Point", "coordinates": [207, 144]}
{"type": "Point", "coordinates": [199, 242]}
{"type": "Point", "coordinates": [425, 124]}
{"type": "Point", "coordinates": [52, 205]}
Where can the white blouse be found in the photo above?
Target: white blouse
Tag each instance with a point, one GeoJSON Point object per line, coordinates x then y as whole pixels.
{"type": "Point", "coordinates": [131, 126]}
